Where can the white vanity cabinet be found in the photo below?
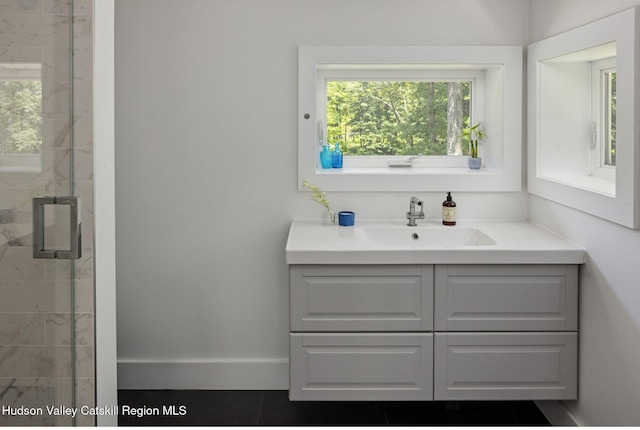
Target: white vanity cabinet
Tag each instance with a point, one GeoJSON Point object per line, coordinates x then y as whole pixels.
{"type": "Point", "coordinates": [361, 366]}
{"type": "Point", "coordinates": [433, 332]}
{"type": "Point", "coordinates": [355, 298]}
{"type": "Point", "coordinates": [361, 332]}
{"type": "Point", "coordinates": [506, 332]}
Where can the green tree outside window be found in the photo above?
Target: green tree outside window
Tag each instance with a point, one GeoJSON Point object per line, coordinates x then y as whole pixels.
{"type": "Point", "coordinates": [398, 118]}
{"type": "Point", "coordinates": [20, 117]}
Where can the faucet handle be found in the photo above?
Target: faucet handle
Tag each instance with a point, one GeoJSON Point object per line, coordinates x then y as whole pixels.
{"type": "Point", "coordinates": [412, 215]}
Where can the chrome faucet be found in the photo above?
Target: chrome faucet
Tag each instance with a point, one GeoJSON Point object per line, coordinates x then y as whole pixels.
{"type": "Point", "coordinates": [412, 216]}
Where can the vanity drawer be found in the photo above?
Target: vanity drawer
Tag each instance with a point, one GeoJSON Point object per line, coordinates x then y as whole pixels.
{"type": "Point", "coordinates": [506, 298]}
{"type": "Point", "coordinates": [353, 298]}
{"type": "Point", "coordinates": [361, 366]}
{"type": "Point", "coordinates": [505, 366]}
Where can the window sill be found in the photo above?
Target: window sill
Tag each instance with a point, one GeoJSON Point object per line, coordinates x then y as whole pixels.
{"type": "Point", "coordinates": [20, 169]}
{"type": "Point", "coordinates": [590, 183]}
{"type": "Point", "coordinates": [412, 179]}
{"type": "Point", "coordinates": [409, 171]}
{"type": "Point", "coordinates": [21, 163]}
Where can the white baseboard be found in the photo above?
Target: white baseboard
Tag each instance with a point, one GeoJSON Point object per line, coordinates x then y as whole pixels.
{"type": "Point", "coordinates": [557, 413]}
{"type": "Point", "coordinates": [268, 374]}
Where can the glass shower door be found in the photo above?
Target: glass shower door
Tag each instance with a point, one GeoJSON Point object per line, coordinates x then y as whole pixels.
{"type": "Point", "coordinates": [46, 297]}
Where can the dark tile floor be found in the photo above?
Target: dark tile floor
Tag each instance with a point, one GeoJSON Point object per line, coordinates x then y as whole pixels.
{"type": "Point", "coordinates": [273, 408]}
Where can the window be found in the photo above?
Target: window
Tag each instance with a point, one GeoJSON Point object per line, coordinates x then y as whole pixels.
{"type": "Point", "coordinates": [20, 117]}
{"type": "Point", "coordinates": [389, 114]}
{"type": "Point", "coordinates": [603, 110]}
{"type": "Point", "coordinates": [576, 120]}
{"type": "Point", "coordinates": [583, 115]}
{"type": "Point", "coordinates": [609, 123]}
{"type": "Point", "coordinates": [386, 104]}
{"type": "Point", "coordinates": [399, 117]}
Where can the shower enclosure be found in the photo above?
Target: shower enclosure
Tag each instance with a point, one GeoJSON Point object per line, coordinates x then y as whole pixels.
{"type": "Point", "coordinates": [47, 354]}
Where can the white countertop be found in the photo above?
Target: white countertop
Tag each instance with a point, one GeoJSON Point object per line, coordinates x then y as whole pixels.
{"type": "Point", "coordinates": [310, 242]}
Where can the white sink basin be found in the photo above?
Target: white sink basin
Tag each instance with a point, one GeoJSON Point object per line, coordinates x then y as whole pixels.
{"type": "Point", "coordinates": [419, 237]}
{"type": "Point", "coordinates": [430, 242]}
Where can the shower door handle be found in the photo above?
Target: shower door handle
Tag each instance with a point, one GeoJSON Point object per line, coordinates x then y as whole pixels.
{"type": "Point", "coordinates": [75, 236]}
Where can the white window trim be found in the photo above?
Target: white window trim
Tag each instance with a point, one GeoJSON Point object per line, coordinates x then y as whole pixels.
{"type": "Point", "coordinates": [590, 195]}
{"type": "Point", "coordinates": [503, 169]}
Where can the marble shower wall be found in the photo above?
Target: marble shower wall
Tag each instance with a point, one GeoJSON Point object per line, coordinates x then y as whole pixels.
{"type": "Point", "coordinates": [36, 345]}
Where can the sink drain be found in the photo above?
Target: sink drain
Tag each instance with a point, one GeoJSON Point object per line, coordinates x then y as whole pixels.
{"type": "Point", "coordinates": [415, 236]}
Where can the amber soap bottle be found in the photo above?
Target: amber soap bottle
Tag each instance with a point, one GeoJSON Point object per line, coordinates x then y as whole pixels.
{"type": "Point", "coordinates": [449, 211]}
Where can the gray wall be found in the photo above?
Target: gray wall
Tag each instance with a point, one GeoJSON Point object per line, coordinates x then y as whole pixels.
{"type": "Point", "coordinates": [206, 186]}
{"type": "Point", "coordinates": [609, 290]}
{"type": "Point", "coordinates": [206, 168]}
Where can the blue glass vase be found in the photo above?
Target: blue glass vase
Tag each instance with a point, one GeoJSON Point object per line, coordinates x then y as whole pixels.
{"type": "Point", "coordinates": [336, 159]}
{"type": "Point", "coordinates": [325, 157]}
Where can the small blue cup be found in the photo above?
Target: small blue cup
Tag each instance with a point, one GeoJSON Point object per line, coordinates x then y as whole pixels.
{"type": "Point", "coordinates": [346, 218]}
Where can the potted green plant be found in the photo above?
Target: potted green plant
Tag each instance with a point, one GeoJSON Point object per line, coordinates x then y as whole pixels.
{"type": "Point", "coordinates": [474, 134]}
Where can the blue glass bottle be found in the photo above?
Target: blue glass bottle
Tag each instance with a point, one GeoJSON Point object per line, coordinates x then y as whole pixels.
{"type": "Point", "coordinates": [336, 159]}
{"type": "Point", "coordinates": [325, 157]}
